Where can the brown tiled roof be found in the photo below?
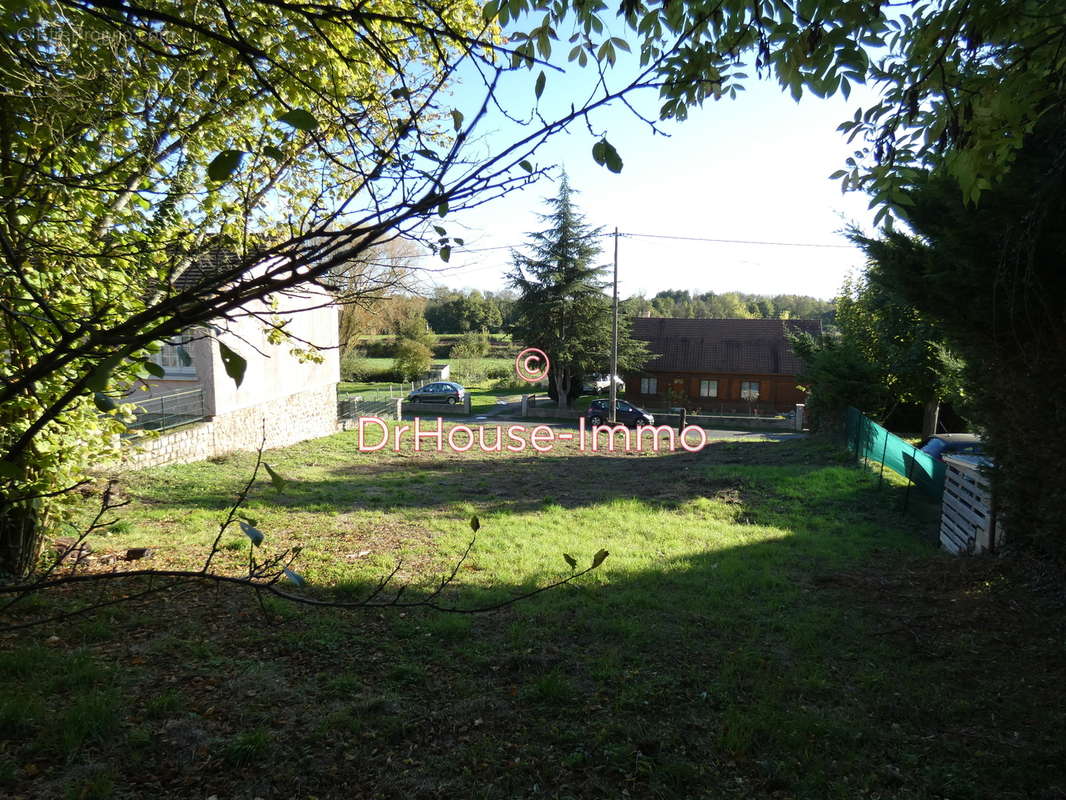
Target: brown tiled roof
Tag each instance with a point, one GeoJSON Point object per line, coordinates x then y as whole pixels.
{"type": "Point", "coordinates": [748, 346]}
{"type": "Point", "coordinates": [205, 266]}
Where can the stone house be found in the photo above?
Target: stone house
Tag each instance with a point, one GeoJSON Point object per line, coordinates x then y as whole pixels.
{"type": "Point", "coordinates": [283, 395]}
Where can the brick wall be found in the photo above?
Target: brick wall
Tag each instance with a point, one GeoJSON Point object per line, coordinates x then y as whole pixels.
{"type": "Point", "coordinates": [287, 420]}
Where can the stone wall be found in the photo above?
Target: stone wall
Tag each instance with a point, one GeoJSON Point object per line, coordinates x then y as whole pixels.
{"type": "Point", "coordinates": [287, 420]}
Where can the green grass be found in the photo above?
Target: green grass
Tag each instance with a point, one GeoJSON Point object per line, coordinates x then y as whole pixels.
{"type": "Point", "coordinates": [768, 624]}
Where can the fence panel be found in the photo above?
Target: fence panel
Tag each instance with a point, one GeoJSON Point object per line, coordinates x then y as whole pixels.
{"type": "Point", "coordinates": [355, 406]}
{"type": "Point", "coordinates": [168, 411]}
{"type": "Point", "coordinates": [870, 442]}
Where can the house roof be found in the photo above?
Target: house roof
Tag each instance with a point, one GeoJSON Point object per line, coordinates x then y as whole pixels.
{"type": "Point", "coordinates": [205, 266]}
{"type": "Point", "coordinates": [748, 346]}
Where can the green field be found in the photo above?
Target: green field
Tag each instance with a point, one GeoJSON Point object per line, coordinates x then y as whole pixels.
{"type": "Point", "coordinates": [768, 624]}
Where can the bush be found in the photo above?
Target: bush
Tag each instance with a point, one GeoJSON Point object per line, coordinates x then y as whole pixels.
{"type": "Point", "coordinates": [353, 365]}
{"type": "Point", "coordinates": [412, 359]}
{"type": "Point", "coordinates": [467, 371]}
{"type": "Point", "coordinates": [471, 345]}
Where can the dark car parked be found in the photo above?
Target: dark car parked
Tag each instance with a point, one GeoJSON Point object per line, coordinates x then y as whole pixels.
{"type": "Point", "coordinates": [440, 392]}
{"type": "Point", "coordinates": [627, 414]}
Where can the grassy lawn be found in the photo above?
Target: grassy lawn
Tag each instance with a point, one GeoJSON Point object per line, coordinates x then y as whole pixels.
{"type": "Point", "coordinates": [767, 625]}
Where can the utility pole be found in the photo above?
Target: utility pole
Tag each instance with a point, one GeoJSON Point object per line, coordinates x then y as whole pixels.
{"type": "Point", "coordinates": [614, 336]}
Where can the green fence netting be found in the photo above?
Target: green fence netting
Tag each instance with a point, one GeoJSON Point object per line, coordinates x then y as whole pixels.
{"type": "Point", "coordinates": [870, 442]}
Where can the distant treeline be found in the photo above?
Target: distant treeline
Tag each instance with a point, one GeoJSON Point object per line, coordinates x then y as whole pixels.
{"type": "Point", "coordinates": [680, 303]}
{"type": "Point", "coordinates": [450, 311]}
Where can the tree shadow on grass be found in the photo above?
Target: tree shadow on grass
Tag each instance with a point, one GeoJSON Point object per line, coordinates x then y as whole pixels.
{"type": "Point", "coordinates": [823, 651]}
{"type": "Point", "coordinates": [823, 663]}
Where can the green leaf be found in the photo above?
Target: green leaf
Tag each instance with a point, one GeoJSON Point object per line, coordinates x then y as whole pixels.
{"type": "Point", "coordinates": [598, 558]}
{"type": "Point", "coordinates": [235, 364]}
{"type": "Point", "coordinates": [274, 153]}
{"type": "Point", "coordinates": [598, 152]}
{"type": "Point", "coordinates": [457, 120]}
{"type": "Point", "coordinates": [526, 166]}
{"type": "Point", "coordinates": [300, 119]}
{"type": "Point", "coordinates": [440, 231]}
{"type": "Point", "coordinates": [475, 524]}
{"type": "Point", "coordinates": [295, 577]}
{"type": "Point", "coordinates": [9, 469]}
{"type": "Point", "coordinates": [225, 164]}
{"type": "Point", "coordinates": [445, 253]}
{"type": "Point", "coordinates": [442, 209]}
{"type": "Point", "coordinates": [103, 402]}
{"type": "Point", "coordinates": [183, 356]}
{"type": "Point", "coordinates": [611, 159]}
{"type": "Point", "coordinates": [458, 241]}
{"type": "Point", "coordinates": [538, 87]}
{"type": "Point", "coordinates": [569, 559]}
{"type": "Point", "coordinates": [101, 376]}
{"type": "Point", "coordinates": [400, 94]}
{"type": "Point", "coordinates": [248, 519]}
{"type": "Point", "coordinates": [252, 533]}
{"type": "Point", "coordinates": [489, 10]}
{"type": "Point", "coordinates": [279, 482]}
{"type": "Point", "coordinates": [153, 369]}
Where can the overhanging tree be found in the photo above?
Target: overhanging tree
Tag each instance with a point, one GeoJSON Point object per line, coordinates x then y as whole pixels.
{"type": "Point", "coordinates": [562, 308]}
{"type": "Point", "coordinates": [139, 140]}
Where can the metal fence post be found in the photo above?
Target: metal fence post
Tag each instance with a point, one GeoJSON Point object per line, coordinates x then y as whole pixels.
{"type": "Point", "coordinates": [910, 471]}
{"type": "Point", "coordinates": [884, 450]}
{"type": "Point", "coordinates": [162, 413]}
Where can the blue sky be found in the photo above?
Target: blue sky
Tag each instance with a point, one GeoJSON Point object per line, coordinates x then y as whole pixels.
{"type": "Point", "coordinates": [755, 169]}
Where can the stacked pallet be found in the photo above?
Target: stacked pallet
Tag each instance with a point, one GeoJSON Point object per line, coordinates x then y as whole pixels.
{"type": "Point", "coordinates": [967, 521]}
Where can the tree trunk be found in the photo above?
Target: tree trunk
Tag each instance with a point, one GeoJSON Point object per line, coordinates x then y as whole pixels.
{"type": "Point", "coordinates": [930, 418]}
{"type": "Point", "coordinates": [21, 534]}
{"type": "Point", "coordinates": [562, 390]}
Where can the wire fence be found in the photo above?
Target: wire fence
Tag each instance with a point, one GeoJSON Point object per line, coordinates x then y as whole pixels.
{"type": "Point", "coordinates": [351, 407]}
{"type": "Point", "coordinates": [168, 411]}
{"type": "Point", "coordinates": [870, 442]}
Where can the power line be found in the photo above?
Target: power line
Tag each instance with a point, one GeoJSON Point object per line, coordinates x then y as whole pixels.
{"type": "Point", "coordinates": [671, 237]}
{"type": "Point", "coordinates": [727, 241]}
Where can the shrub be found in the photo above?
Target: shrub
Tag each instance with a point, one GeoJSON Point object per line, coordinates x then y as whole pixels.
{"type": "Point", "coordinates": [412, 359]}
{"type": "Point", "coordinates": [467, 371]}
{"type": "Point", "coordinates": [471, 345]}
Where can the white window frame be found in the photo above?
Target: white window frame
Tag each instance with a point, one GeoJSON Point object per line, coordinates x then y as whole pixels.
{"type": "Point", "coordinates": [170, 361]}
{"type": "Point", "coordinates": [712, 389]}
{"type": "Point", "coordinates": [647, 384]}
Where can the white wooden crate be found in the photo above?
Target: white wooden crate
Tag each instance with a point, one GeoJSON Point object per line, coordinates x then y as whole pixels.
{"type": "Point", "coordinates": [967, 523]}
